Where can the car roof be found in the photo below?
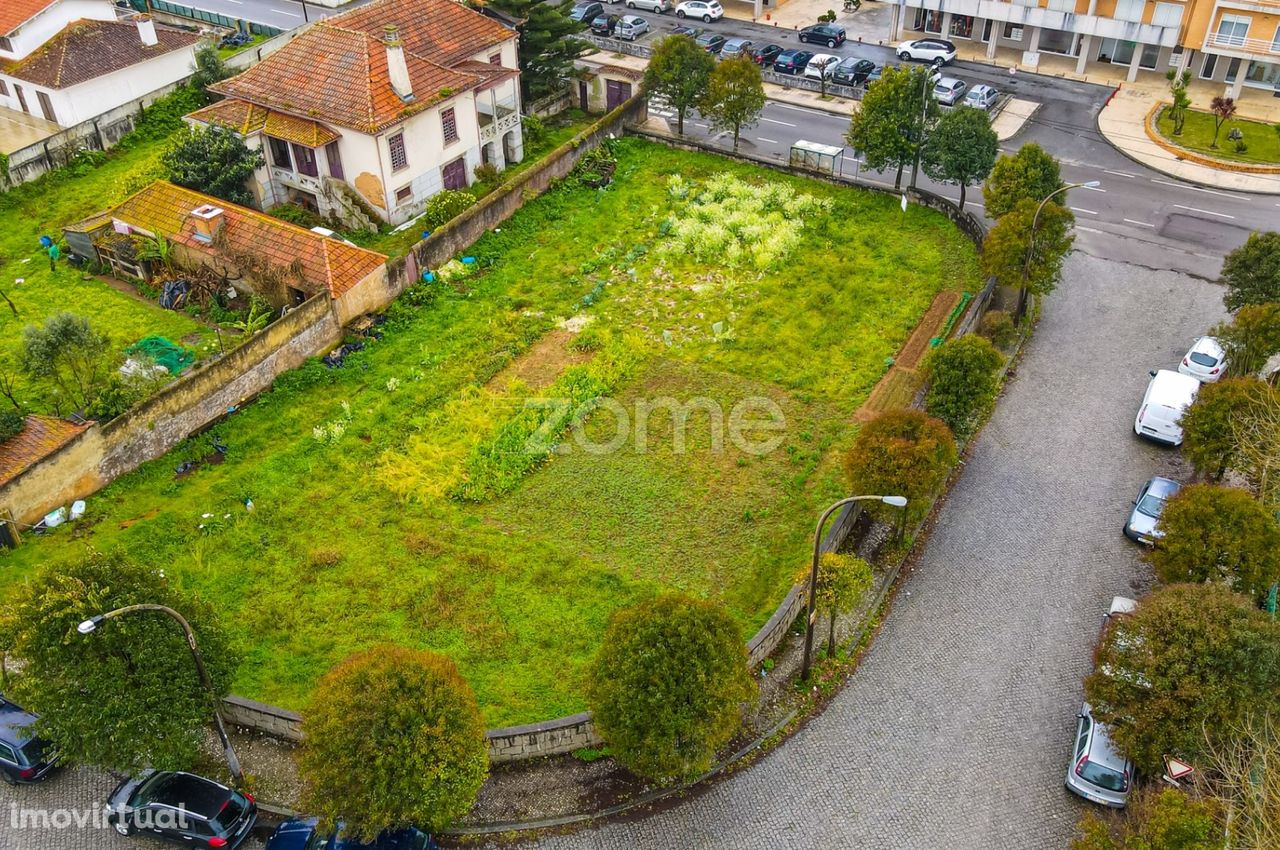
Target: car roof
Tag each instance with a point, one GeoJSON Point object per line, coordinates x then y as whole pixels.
{"type": "Point", "coordinates": [980, 88]}
{"type": "Point", "coordinates": [735, 40]}
{"type": "Point", "coordinates": [1162, 487]}
{"type": "Point", "coordinates": [1168, 386]}
{"type": "Point", "coordinates": [15, 722]}
{"type": "Point", "coordinates": [1102, 751]}
{"type": "Point", "coordinates": [196, 794]}
{"type": "Point", "coordinates": [1209, 345]}
{"type": "Point", "coordinates": [949, 82]}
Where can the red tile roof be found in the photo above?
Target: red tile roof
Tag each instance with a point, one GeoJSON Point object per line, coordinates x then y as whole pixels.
{"type": "Point", "coordinates": [87, 49]}
{"type": "Point", "coordinates": [42, 436]}
{"type": "Point", "coordinates": [15, 13]}
{"type": "Point", "coordinates": [245, 118]}
{"type": "Point", "coordinates": [324, 263]}
{"type": "Point", "coordinates": [442, 31]}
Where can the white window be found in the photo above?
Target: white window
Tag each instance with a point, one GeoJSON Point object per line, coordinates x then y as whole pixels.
{"type": "Point", "coordinates": [1232, 30]}
{"type": "Point", "coordinates": [1012, 32]}
{"type": "Point", "coordinates": [1275, 42]}
{"type": "Point", "coordinates": [1129, 10]}
{"type": "Point", "coordinates": [1167, 15]}
{"type": "Point", "coordinates": [1062, 5]}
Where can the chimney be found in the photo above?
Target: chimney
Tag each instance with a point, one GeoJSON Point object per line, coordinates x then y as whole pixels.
{"type": "Point", "coordinates": [397, 68]}
{"type": "Point", "coordinates": [147, 30]}
{"type": "Point", "coordinates": [208, 221]}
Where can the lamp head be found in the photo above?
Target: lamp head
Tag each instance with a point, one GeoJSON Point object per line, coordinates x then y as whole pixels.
{"type": "Point", "coordinates": [896, 501]}
{"type": "Point", "coordinates": [89, 625]}
{"type": "Point", "coordinates": [1092, 184]}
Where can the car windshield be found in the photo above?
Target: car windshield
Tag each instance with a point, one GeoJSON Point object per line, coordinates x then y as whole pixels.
{"type": "Point", "coordinates": [33, 750]}
{"type": "Point", "coordinates": [1203, 359]}
{"type": "Point", "coordinates": [1103, 776]}
{"type": "Point", "coordinates": [1151, 506]}
{"type": "Point", "coordinates": [231, 811]}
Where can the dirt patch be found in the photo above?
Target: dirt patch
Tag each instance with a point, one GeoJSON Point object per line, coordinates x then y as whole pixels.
{"type": "Point", "coordinates": [896, 389]}
{"type": "Point", "coordinates": [542, 363]}
{"type": "Point", "coordinates": [151, 514]}
{"type": "Point", "coordinates": [930, 326]}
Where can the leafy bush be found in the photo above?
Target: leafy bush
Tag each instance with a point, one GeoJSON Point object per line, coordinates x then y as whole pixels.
{"type": "Point", "coordinates": [1209, 426]}
{"type": "Point", "coordinates": [667, 686]}
{"type": "Point", "coordinates": [295, 214]}
{"type": "Point", "coordinates": [1157, 819]}
{"type": "Point", "coordinates": [962, 381]}
{"type": "Point", "coordinates": [164, 117]}
{"type": "Point", "coordinates": [998, 326]}
{"type": "Point", "coordinates": [444, 206]}
{"type": "Point", "coordinates": [11, 424]}
{"type": "Point", "coordinates": [392, 700]}
{"type": "Point", "coordinates": [488, 173]}
{"type": "Point", "coordinates": [213, 160]}
{"type": "Point", "coordinates": [423, 293]}
{"type": "Point", "coordinates": [533, 129]}
{"type": "Point", "coordinates": [902, 453]}
{"type": "Point", "coordinates": [70, 356]}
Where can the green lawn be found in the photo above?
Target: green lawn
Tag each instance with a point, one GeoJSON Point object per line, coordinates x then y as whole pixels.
{"type": "Point", "coordinates": [1262, 140]}
{"type": "Point", "coordinates": [358, 536]}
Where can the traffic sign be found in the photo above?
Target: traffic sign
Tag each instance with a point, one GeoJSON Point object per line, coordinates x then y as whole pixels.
{"type": "Point", "coordinates": [1175, 769]}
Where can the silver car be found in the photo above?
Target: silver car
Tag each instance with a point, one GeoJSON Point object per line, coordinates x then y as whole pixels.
{"type": "Point", "coordinates": [1141, 527]}
{"type": "Point", "coordinates": [631, 27]}
{"type": "Point", "coordinates": [656, 6]}
{"type": "Point", "coordinates": [949, 90]}
{"type": "Point", "coordinates": [1098, 772]}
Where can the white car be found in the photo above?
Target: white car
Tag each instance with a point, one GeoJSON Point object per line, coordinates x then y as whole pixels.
{"type": "Point", "coordinates": [934, 50]}
{"type": "Point", "coordinates": [822, 65]}
{"type": "Point", "coordinates": [708, 10]}
{"type": "Point", "coordinates": [948, 90]}
{"type": "Point", "coordinates": [1205, 361]}
{"type": "Point", "coordinates": [656, 6]}
{"type": "Point", "coordinates": [631, 27]}
{"type": "Point", "coordinates": [981, 97]}
{"type": "Point", "coordinates": [1168, 396]}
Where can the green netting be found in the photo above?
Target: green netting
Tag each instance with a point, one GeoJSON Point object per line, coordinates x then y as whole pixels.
{"type": "Point", "coordinates": [161, 351]}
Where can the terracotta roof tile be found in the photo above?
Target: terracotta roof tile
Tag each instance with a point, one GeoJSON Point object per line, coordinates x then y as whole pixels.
{"type": "Point", "coordinates": [304, 131]}
{"type": "Point", "coordinates": [245, 118]}
{"type": "Point", "coordinates": [15, 13]}
{"type": "Point", "coordinates": [42, 436]}
{"type": "Point", "coordinates": [443, 31]}
{"type": "Point", "coordinates": [88, 49]}
{"type": "Point", "coordinates": [492, 74]}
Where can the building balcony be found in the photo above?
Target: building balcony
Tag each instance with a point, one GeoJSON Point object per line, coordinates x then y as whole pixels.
{"type": "Point", "coordinates": [1257, 49]}
{"type": "Point", "coordinates": [1023, 15]}
{"type": "Point", "coordinates": [295, 179]}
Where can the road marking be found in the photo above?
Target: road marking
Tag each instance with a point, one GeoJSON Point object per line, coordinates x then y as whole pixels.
{"type": "Point", "coordinates": [1090, 188]}
{"type": "Point", "coordinates": [1119, 174]}
{"type": "Point", "coordinates": [1198, 189]}
{"type": "Point", "coordinates": [1088, 229]}
{"type": "Point", "coordinates": [1139, 223]}
{"type": "Point", "coordinates": [283, 12]}
{"type": "Point", "coordinates": [973, 204]}
{"type": "Point", "coordinates": [766, 141]}
{"type": "Point", "coordinates": [772, 121]}
{"type": "Point", "coordinates": [237, 2]}
{"type": "Point", "coordinates": [778, 105]}
{"type": "Point", "coordinates": [1206, 212]}
{"type": "Point", "coordinates": [1081, 209]}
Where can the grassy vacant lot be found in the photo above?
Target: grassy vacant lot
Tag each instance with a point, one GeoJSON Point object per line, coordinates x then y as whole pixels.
{"type": "Point", "coordinates": [396, 499]}
{"type": "Point", "coordinates": [1263, 140]}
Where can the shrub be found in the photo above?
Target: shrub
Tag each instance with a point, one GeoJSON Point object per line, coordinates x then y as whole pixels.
{"type": "Point", "coordinates": [902, 453]}
{"type": "Point", "coordinates": [533, 129]}
{"type": "Point", "coordinates": [998, 326]}
{"type": "Point", "coordinates": [1251, 272]}
{"type": "Point", "coordinates": [667, 686]}
{"type": "Point", "coordinates": [444, 206]}
{"type": "Point", "coordinates": [11, 424]}
{"type": "Point", "coordinates": [489, 173]}
{"type": "Point", "coordinates": [1209, 424]}
{"type": "Point", "coordinates": [1157, 819]}
{"type": "Point", "coordinates": [962, 381]}
{"type": "Point", "coordinates": [842, 582]}
{"type": "Point", "coordinates": [394, 738]}
{"type": "Point", "coordinates": [295, 214]}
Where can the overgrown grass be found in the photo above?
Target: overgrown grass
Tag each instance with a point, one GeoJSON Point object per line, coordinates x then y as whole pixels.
{"type": "Point", "coordinates": [1262, 140]}
{"type": "Point", "coordinates": [353, 540]}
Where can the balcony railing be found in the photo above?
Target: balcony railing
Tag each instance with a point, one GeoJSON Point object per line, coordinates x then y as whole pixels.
{"type": "Point", "coordinates": [1240, 44]}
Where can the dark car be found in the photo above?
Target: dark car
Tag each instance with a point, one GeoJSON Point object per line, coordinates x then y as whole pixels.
{"type": "Point", "coordinates": [183, 808]}
{"type": "Point", "coordinates": [766, 55]}
{"type": "Point", "coordinates": [852, 71]}
{"type": "Point", "coordinates": [685, 29]}
{"type": "Point", "coordinates": [828, 34]}
{"type": "Point", "coordinates": [792, 61]}
{"type": "Point", "coordinates": [585, 12]}
{"type": "Point", "coordinates": [1141, 526]}
{"type": "Point", "coordinates": [604, 24]}
{"type": "Point", "coordinates": [300, 834]}
{"type": "Point", "coordinates": [735, 47]}
{"type": "Point", "coordinates": [24, 758]}
{"type": "Point", "coordinates": [710, 42]}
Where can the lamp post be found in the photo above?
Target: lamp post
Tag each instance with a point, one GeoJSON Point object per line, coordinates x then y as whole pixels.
{"type": "Point", "coordinates": [91, 624]}
{"type": "Point", "coordinates": [931, 78]}
{"type": "Point", "coordinates": [811, 613]}
{"type": "Point", "coordinates": [1031, 241]}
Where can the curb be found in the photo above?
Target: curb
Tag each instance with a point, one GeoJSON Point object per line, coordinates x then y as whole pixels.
{"type": "Point", "coordinates": [1153, 133]}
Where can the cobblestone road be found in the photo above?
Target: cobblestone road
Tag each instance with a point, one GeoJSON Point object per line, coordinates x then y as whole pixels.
{"type": "Point", "coordinates": [954, 733]}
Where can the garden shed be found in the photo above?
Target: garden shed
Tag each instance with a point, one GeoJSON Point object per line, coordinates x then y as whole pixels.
{"type": "Point", "coordinates": [602, 87]}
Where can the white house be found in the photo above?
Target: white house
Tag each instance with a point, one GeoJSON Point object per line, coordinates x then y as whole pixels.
{"type": "Point", "coordinates": [91, 65]}
{"type": "Point", "coordinates": [374, 111]}
{"type": "Point", "coordinates": [27, 24]}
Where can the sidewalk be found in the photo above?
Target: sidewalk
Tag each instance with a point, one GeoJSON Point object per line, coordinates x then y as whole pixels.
{"type": "Point", "coordinates": [869, 24]}
{"type": "Point", "coordinates": [1122, 122]}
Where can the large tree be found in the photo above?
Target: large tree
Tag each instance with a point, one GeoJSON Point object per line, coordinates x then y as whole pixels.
{"type": "Point", "coordinates": [547, 46]}
{"type": "Point", "coordinates": [1209, 424]}
{"type": "Point", "coordinates": [71, 357]}
{"type": "Point", "coordinates": [734, 96]}
{"type": "Point", "coordinates": [1220, 535]}
{"type": "Point", "coordinates": [208, 69]}
{"type": "Point", "coordinates": [394, 738]}
{"type": "Point", "coordinates": [668, 684]}
{"type": "Point", "coordinates": [901, 453]}
{"type": "Point", "coordinates": [1251, 338]}
{"type": "Point", "coordinates": [1031, 174]}
{"type": "Point", "coordinates": [126, 696]}
{"type": "Point", "coordinates": [213, 160]}
{"type": "Point", "coordinates": [961, 149]}
{"type": "Point", "coordinates": [893, 117]}
{"type": "Point", "coordinates": [679, 72]}
{"type": "Point", "coordinates": [1027, 251]}
{"type": "Point", "coordinates": [1251, 273]}
{"type": "Point", "coordinates": [962, 381]}
{"type": "Point", "coordinates": [1191, 659]}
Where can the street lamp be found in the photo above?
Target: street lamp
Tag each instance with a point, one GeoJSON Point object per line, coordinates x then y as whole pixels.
{"type": "Point", "coordinates": [1031, 240]}
{"type": "Point", "coordinates": [931, 78]}
{"type": "Point", "coordinates": [895, 501]}
{"type": "Point", "coordinates": [90, 625]}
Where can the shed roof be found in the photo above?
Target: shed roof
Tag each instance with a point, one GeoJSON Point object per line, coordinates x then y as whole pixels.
{"type": "Point", "coordinates": [42, 436]}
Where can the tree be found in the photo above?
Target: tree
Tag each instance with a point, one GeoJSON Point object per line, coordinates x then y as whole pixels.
{"type": "Point", "coordinates": [1027, 252]}
{"type": "Point", "coordinates": [842, 582]}
{"type": "Point", "coordinates": [1157, 819]}
{"type": "Point", "coordinates": [1208, 425]}
{"type": "Point", "coordinates": [901, 453]}
{"type": "Point", "coordinates": [213, 160]}
{"type": "Point", "coordinates": [1257, 438]}
{"type": "Point", "coordinates": [1178, 83]}
{"type": "Point", "coordinates": [1251, 273]}
{"type": "Point", "coordinates": [1192, 658]}
{"type": "Point", "coordinates": [393, 738]}
{"type": "Point", "coordinates": [208, 69]}
{"type": "Point", "coordinates": [961, 149]}
{"type": "Point", "coordinates": [11, 424]}
{"type": "Point", "coordinates": [67, 353]}
{"type": "Point", "coordinates": [962, 381]}
{"type": "Point", "coordinates": [1220, 535]}
{"type": "Point", "coordinates": [127, 696]}
{"type": "Point", "coordinates": [667, 686]}
{"type": "Point", "coordinates": [1242, 775]}
{"type": "Point", "coordinates": [893, 117]}
{"type": "Point", "coordinates": [679, 72]}
{"type": "Point", "coordinates": [1251, 338]}
{"type": "Point", "coordinates": [1031, 174]}
{"type": "Point", "coordinates": [547, 46]}
{"type": "Point", "coordinates": [1222, 108]}
{"type": "Point", "coordinates": [734, 96]}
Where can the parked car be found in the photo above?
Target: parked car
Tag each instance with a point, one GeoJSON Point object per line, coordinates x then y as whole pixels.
{"type": "Point", "coordinates": [655, 6]}
{"type": "Point", "coordinates": [820, 66]}
{"type": "Point", "coordinates": [631, 27]}
{"type": "Point", "coordinates": [685, 29]}
{"type": "Point", "coordinates": [792, 61]}
{"type": "Point", "coordinates": [828, 34]}
{"type": "Point", "coordinates": [708, 10]}
{"type": "Point", "coordinates": [24, 758]}
{"type": "Point", "coordinates": [981, 97]}
{"type": "Point", "coordinates": [736, 47]}
{"type": "Point", "coordinates": [767, 55]}
{"type": "Point", "coordinates": [585, 12]}
{"type": "Point", "coordinates": [1205, 361]}
{"type": "Point", "coordinates": [852, 71]}
{"type": "Point", "coordinates": [183, 808]}
{"type": "Point", "coordinates": [1097, 771]}
{"type": "Point", "coordinates": [933, 50]}
{"type": "Point", "coordinates": [710, 42]}
{"type": "Point", "coordinates": [1168, 396]}
{"type": "Point", "coordinates": [1141, 527]}
{"type": "Point", "coordinates": [948, 90]}
{"type": "Point", "coordinates": [301, 834]}
{"type": "Point", "coordinates": [605, 24]}
{"type": "Point", "coordinates": [876, 72]}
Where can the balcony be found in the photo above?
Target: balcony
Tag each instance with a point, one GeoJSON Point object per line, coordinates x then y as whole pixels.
{"type": "Point", "coordinates": [496, 115]}
{"type": "Point", "coordinates": [1036, 16]}
{"type": "Point", "coordinates": [1259, 49]}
